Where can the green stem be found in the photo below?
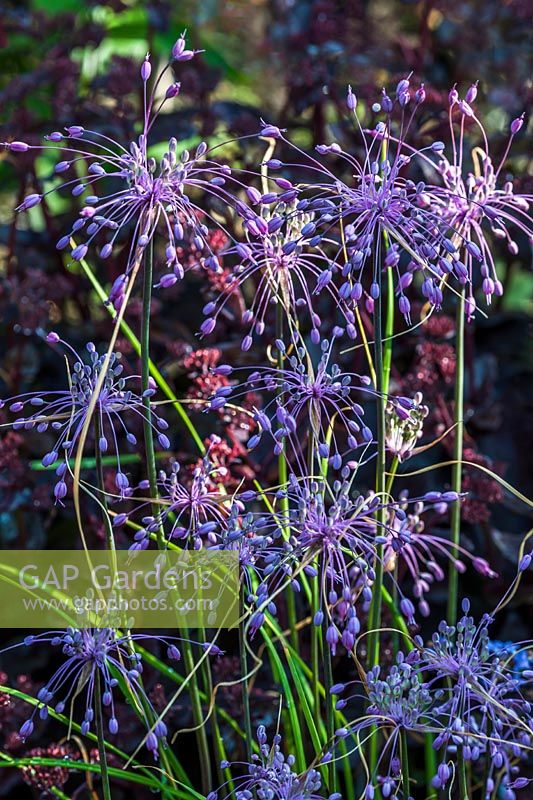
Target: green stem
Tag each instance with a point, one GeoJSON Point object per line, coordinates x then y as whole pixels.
{"type": "Point", "coordinates": [201, 735]}
{"type": "Point", "coordinates": [374, 617]}
{"type": "Point", "coordinates": [405, 765]}
{"type": "Point", "coordinates": [245, 690]}
{"type": "Point", "coordinates": [145, 376]}
{"type": "Point", "coordinates": [453, 576]}
{"type": "Point", "coordinates": [100, 736]}
{"type": "Point", "coordinates": [284, 501]}
{"type": "Point", "coordinates": [461, 770]}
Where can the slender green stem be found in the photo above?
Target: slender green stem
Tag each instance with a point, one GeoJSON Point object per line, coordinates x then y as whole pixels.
{"type": "Point", "coordinates": [284, 501]}
{"type": "Point", "coordinates": [315, 647]}
{"type": "Point", "coordinates": [405, 765]}
{"type": "Point", "coordinates": [461, 771]}
{"type": "Point", "coordinates": [244, 684]}
{"type": "Point", "coordinates": [453, 576]}
{"type": "Point", "coordinates": [374, 617]}
{"type": "Point", "coordinates": [100, 736]}
{"type": "Point", "coordinates": [145, 376]}
{"type": "Point", "coordinates": [201, 735]}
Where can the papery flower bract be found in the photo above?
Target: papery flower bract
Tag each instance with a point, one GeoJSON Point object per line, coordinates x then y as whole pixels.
{"type": "Point", "coordinates": [402, 430]}
{"type": "Point", "coordinates": [64, 412]}
{"type": "Point", "coordinates": [142, 194]}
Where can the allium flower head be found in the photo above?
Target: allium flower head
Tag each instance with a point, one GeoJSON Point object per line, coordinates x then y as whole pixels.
{"type": "Point", "coordinates": [191, 510]}
{"type": "Point", "coordinates": [482, 705]}
{"type": "Point", "coordinates": [412, 546]}
{"type": "Point", "coordinates": [64, 412]}
{"type": "Point", "coordinates": [100, 655]}
{"type": "Point", "coordinates": [321, 398]}
{"type": "Point", "coordinates": [288, 269]}
{"type": "Point", "coordinates": [478, 199]}
{"type": "Point", "coordinates": [126, 187]}
{"type": "Point", "coordinates": [271, 776]}
{"type": "Point", "coordinates": [397, 702]}
{"type": "Point", "coordinates": [381, 217]}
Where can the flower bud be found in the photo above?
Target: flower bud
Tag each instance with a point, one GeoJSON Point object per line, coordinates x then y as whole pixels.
{"type": "Point", "coordinates": [146, 68]}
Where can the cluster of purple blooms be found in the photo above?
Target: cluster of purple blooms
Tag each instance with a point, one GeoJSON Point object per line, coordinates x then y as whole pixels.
{"type": "Point", "coordinates": [462, 690]}
{"type": "Point", "coordinates": [271, 776]}
{"type": "Point", "coordinates": [65, 412]}
{"type": "Point", "coordinates": [300, 242]}
{"type": "Point", "coordinates": [99, 662]}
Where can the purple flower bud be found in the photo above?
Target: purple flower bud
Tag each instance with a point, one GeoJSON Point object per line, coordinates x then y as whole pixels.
{"type": "Point", "coordinates": [113, 726]}
{"type": "Point", "coordinates": [208, 326]}
{"type": "Point", "coordinates": [173, 90]}
{"type": "Point", "coordinates": [407, 608]}
{"type": "Point", "coordinates": [29, 202]}
{"type": "Point", "coordinates": [146, 68]}
{"type": "Point", "coordinates": [471, 93]}
{"type": "Point", "coordinates": [121, 481]}
{"type": "Point", "coordinates": [26, 729]}
{"type": "Point", "coordinates": [254, 195]}
{"type": "Point", "coordinates": [420, 94]}
{"type": "Point", "coordinates": [271, 131]}
{"type": "Point", "coordinates": [18, 147]}
{"type": "Point", "coordinates": [60, 490]}
{"type": "Point", "coordinates": [453, 96]}
{"type": "Point", "coordinates": [516, 124]}
{"type": "Point", "coordinates": [79, 252]}
{"type": "Point", "coordinates": [525, 562]}
{"type": "Point", "coordinates": [351, 100]}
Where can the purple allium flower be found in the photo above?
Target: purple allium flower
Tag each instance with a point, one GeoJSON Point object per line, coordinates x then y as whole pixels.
{"type": "Point", "coordinates": [108, 655]}
{"type": "Point", "coordinates": [64, 412]}
{"type": "Point", "coordinates": [319, 398]}
{"type": "Point", "coordinates": [478, 204]}
{"type": "Point", "coordinates": [481, 701]}
{"type": "Point", "coordinates": [271, 776]}
{"type": "Point", "coordinates": [409, 543]}
{"type": "Point", "coordinates": [288, 269]}
{"type": "Point", "coordinates": [381, 205]}
{"type": "Point", "coordinates": [191, 511]}
{"type": "Point", "coordinates": [143, 194]}
{"type": "Point", "coordinates": [397, 702]}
